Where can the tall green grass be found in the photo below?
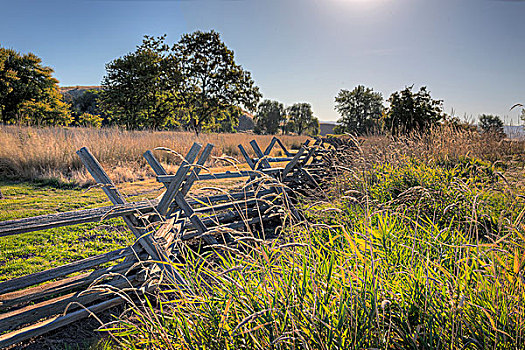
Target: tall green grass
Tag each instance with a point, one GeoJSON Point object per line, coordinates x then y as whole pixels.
{"type": "Point", "coordinates": [410, 252]}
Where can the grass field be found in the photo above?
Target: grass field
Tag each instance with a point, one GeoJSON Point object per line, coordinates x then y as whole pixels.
{"type": "Point", "coordinates": [418, 243]}
{"type": "Point", "coordinates": [37, 251]}
{"type": "Point", "coordinates": [31, 153]}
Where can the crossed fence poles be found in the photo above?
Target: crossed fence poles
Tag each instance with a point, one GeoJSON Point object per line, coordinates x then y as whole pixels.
{"type": "Point", "coordinates": [153, 223]}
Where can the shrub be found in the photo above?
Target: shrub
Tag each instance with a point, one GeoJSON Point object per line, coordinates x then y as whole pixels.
{"type": "Point", "coordinates": [491, 125]}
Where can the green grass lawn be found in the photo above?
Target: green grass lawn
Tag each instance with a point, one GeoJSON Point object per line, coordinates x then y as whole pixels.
{"type": "Point", "coordinates": [40, 250]}
{"type": "Point", "coordinates": [36, 251]}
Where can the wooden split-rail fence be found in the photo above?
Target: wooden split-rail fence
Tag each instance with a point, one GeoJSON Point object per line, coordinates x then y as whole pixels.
{"type": "Point", "coordinates": [38, 303]}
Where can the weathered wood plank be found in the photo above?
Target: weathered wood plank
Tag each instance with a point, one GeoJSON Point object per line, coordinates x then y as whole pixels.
{"type": "Point", "coordinates": [212, 221]}
{"type": "Point", "coordinates": [293, 162]}
{"type": "Point", "coordinates": [144, 238]}
{"type": "Point", "coordinates": [154, 163]}
{"type": "Point", "coordinates": [249, 161]}
{"type": "Point", "coordinates": [194, 176]}
{"type": "Point", "coordinates": [278, 189]}
{"type": "Point", "coordinates": [242, 204]}
{"type": "Point", "coordinates": [211, 200]}
{"type": "Point", "coordinates": [43, 222]}
{"type": "Point", "coordinates": [234, 225]}
{"type": "Point", "coordinates": [21, 297]}
{"type": "Point", "coordinates": [225, 175]}
{"type": "Point", "coordinates": [262, 160]}
{"type": "Point", "coordinates": [178, 178]}
{"type": "Point", "coordinates": [26, 315]}
{"type": "Point", "coordinates": [288, 154]}
{"type": "Point", "coordinates": [195, 220]}
{"type": "Point", "coordinates": [95, 169]}
{"type": "Point", "coordinates": [179, 195]}
{"type": "Point", "coordinates": [275, 159]}
{"type": "Point", "coordinates": [270, 146]}
{"type": "Point", "coordinates": [55, 323]}
{"type": "Point", "coordinates": [64, 270]}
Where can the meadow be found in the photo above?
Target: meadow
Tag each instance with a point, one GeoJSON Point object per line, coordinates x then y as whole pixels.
{"type": "Point", "coordinates": [31, 153]}
{"type": "Point", "coordinates": [417, 242]}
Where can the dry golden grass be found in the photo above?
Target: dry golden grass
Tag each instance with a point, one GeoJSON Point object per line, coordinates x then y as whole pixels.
{"type": "Point", "coordinates": [41, 153]}
{"type": "Point", "coordinates": [442, 143]}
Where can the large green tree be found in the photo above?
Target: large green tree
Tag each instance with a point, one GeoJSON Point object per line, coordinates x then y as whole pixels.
{"type": "Point", "coordinates": [28, 91]}
{"type": "Point", "coordinates": [270, 115]}
{"type": "Point", "coordinates": [211, 80]}
{"type": "Point", "coordinates": [301, 119]}
{"type": "Point", "coordinates": [412, 111]}
{"type": "Point", "coordinates": [360, 110]}
{"type": "Point", "coordinates": [140, 88]}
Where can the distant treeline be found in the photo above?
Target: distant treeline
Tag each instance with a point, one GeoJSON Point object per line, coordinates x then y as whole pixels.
{"type": "Point", "coordinates": [363, 111]}
{"type": "Point", "coordinates": [194, 84]}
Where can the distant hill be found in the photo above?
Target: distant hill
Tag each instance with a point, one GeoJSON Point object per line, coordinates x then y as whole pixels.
{"type": "Point", "coordinates": [70, 92]}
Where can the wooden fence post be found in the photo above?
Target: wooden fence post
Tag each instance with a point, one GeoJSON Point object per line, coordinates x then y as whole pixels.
{"type": "Point", "coordinates": [179, 195]}
{"type": "Point", "coordinates": [144, 237]}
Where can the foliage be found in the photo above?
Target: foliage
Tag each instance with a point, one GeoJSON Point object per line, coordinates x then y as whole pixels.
{"type": "Point", "coordinates": [491, 125]}
{"type": "Point", "coordinates": [85, 108]}
{"type": "Point", "coordinates": [226, 120]}
{"type": "Point", "coordinates": [442, 191]}
{"type": "Point", "coordinates": [362, 275]}
{"type": "Point", "coordinates": [49, 110]}
{"type": "Point", "coordinates": [85, 102]}
{"type": "Point", "coordinates": [360, 109]}
{"type": "Point", "coordinates": [211, 80]}
{"type": "Point", "coordinates": [88, 119]}
{"type": "Point", "coordinates": [195, 84]}
{"type": "Point", "coordinates": [270, 115]}
{"type": "Point", "coordinates": [301, 119]}
{"type": "Point", "coordinates": [140, 88]}
{"type": "Point", "coordinates": [411, 111]}
{"type": "Point", "coordinates": [404, 252]}
{"type": "Point", "coordinates": [28, 92]}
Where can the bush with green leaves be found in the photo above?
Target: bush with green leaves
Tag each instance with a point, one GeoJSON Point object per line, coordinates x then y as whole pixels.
{"type": "Point", "coordinates": [412, 111]}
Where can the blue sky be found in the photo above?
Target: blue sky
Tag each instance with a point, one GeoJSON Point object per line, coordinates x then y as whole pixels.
{"type": "Point", "coordinates": [470, 53]}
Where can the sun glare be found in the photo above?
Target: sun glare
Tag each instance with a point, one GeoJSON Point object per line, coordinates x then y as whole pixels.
{"type": "Point", "coordinates": [360, 3]}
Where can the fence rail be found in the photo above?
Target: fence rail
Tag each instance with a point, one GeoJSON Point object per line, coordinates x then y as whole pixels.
{"type": "Point", "coordinates": [55, 295]}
